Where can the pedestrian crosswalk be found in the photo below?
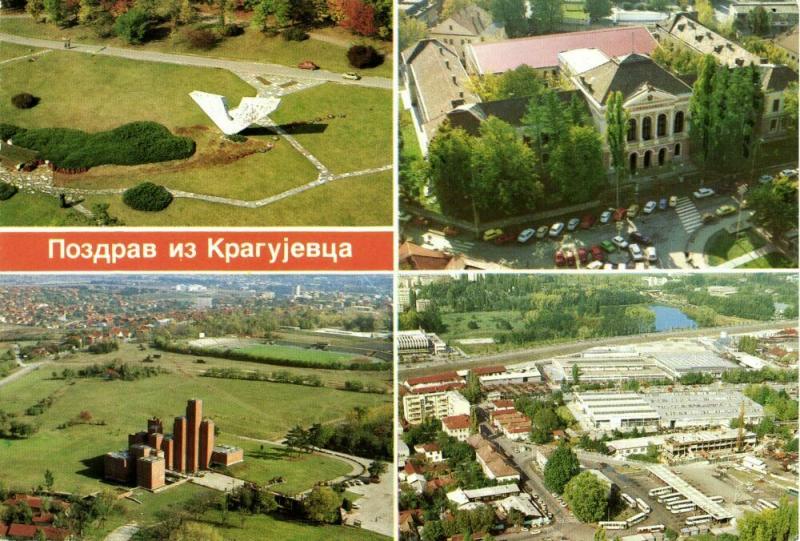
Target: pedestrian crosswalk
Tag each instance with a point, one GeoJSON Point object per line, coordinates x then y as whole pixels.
{"type": "Point", "coordinates": [688, 214]}
{"type": "Point", "coordinates": [445, 244]}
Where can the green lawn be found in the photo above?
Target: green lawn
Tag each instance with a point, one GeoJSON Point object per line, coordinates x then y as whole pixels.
{"type": "Point", "coordinates": [361, 140]}
{"type": "Point", "coordinates": [273, 351]}
{"type": "Point", "coordinates": [12, 50]}
{"type": "Point", "coordinates": [266, 527]}
{"type": "Point", "coordinates": [300, 470]}
{"type": "Point", "coordinates": [359, 201]}
{"type": "Point", "coordinates": [25, 209]}
{"type": "Point", "coordinates": [723, 246]}
{"type": "Point", "coordinates": [246, 408]}
{"type": "Point", "coordinates": [410, 149]}
{"type": "Point", "coordinates": [252, 45]}
{"type": "Point", "coordinates": [773, 260]}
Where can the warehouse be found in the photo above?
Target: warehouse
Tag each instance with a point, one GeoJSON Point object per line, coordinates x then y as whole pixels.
{"type": "Point", "coordinates": [677, 364]}
{"type": "Point", "coordinates": [683, 445]}
{"type": "Point", "coordinates": [703, 408]}
{"type": "Point", "coordinates": [621, 411]}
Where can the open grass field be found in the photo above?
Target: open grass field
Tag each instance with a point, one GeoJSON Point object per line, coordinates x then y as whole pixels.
{"type": "Point", "coordinates": [98, 93]}
{"type": "Point", "coordinates": [361, 140]}
{"type": "Point", "coordinates": [723, 246]}
{"type": "Point", "coordinates": [253, 45]}
{"type": "Point", "coordinates": [772, 260]}
{"type": "Point", "coordinates": [489, 324]}
{"type": "Point", "coordinates": [12, 50]}
{"type": "Point", "coordinates": [26, 209]}
{"type": "Point", "coordinates": [239, 408]}
{"type": "Point", "coordinates": [274, 351]}
{"type": "Point", "coordinates": [358, 201]}
{"type": "Point", "coordinates": [301, 470]}
{"type": "Point", "coordinates": [254, 527]}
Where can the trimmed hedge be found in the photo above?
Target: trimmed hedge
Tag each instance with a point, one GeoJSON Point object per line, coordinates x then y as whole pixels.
{"type": "Point", "coordinates": [129, 144]}
{"type": "Point", "coordinates": [294, 34]}
{"type": "Point", "coordinates": [24, 100]}
{"type": "Point", "coordinates": [148, 197]}
{"type": "Point", "coordinates": [364, 56]}
{"type": "Point", "coordinates": [7, 191]}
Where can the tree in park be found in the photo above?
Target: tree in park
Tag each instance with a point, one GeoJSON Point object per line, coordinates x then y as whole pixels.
{"type": "Point", "coordinates": [505, 182]}
{"type": "Point", "coordinates": [587, 497]}
{"type": "Point", "coordinates": [546, 15]}
{"type": "Point", "coordinates": [775, 205]}
{"type": "Point", "coordinates": [758, 19]}
{"type": "Point", "coordinates": [376, 468]}
{"type": "Point", "coordinates": [49, 479]}
{"type": "Point", "coordinates": [598, 9]}
{"type": "Point", "coordinates": [616, 135]}
{"type": "Point", "coordinates": [562, 466]}
{"type": "Point", "coordinates": [790, 107]}
{"type": "Point", "coordinates": [132, 26]}
{"type": "Point", "coordinates": [296, 438]}
{"type": "Point", "coordinates": [322, 505]}
{"type": "Point", "coordinates": [411, 31]}
{"type": "Point", "coordinates": [511, 13]}
{"type": "Point", "coordinates": [700, 110]}
{"type": "Point", "coordinates": [577, 165]}
{"type": "Point", "coordinates": [450, 174]}
{"type": "Point", "coordinates": [358, 17]}
{"type": "Point", "coordinates": [59, 12]}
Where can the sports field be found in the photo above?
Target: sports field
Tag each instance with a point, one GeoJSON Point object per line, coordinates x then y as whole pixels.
{"type": "Point", "coordinates": [271, 351]}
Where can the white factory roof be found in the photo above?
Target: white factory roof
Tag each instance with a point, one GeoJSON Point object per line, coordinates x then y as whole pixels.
{"type": "Point", "coordinates": [580, 60]}
{"type": "Point", "coordinates": [698, 498]}
{"type": "Point", "coordinates": [694, 361]}
{"type": "Point", "coordinates": [520, 502]}
{"type": "Point", "coordinates": [492, 492]}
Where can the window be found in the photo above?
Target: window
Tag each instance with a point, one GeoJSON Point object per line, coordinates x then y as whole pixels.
{"type": "Point", "coordinates": [632, 130]}
{"type": "Point", "coordinates": [661, 125]}
{"type": "Point", "coordinates": [677, 151]}
{"type": "Point", "coordinates": [773, 124]}
{"type": "Point", "coordinates": [647, 128]}
{"type": "Point", "coordinates": [776, 105]}
{"type": "Point", "coordinates": [633, 159]}
{"type": "Point", "coordinates": [678, 127]}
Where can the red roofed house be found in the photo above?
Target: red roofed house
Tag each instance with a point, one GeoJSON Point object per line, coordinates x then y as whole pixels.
{"type": "Point", "coordinates": [432, 452]}
{"type": "Point", "coordinates": [456, 426]}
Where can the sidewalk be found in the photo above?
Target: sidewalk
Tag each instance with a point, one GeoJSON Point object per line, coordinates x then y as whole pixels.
{"type": "Point", "coordinates": [747, 258]}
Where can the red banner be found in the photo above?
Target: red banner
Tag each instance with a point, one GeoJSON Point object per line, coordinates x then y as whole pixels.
{"type": "Point", "coordinates": [196, 250]}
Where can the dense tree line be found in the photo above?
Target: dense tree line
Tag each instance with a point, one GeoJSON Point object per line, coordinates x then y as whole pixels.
{"type": "Point", "coordinates": [777, 403]}
{"type": "Point", "coordinates": [257, 375]}
{"type": "Point", "coordinates": [112, 370]}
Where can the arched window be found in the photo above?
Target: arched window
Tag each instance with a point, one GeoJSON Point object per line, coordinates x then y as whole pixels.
{"type": "Point", "coordinates": [661, 125]}
{"type": "Point", "coordinates": [677, 149]}
{"type": "Point", "coordinates": [678, 127]}
{"type": "Point", "coordinates": [647, 128]}
{"type": "Point", "coordinates": [633, 159]}
{"type": "Point", "coordinates": [632, 130]}
{"type": "Point", "coordinates": [662, 156]}
{"type": "Point", "coordinates": [647, 159]}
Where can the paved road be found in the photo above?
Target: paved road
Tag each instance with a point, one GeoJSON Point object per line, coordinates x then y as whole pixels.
{"type": "Point", "coordinates": [236, 66]}
{"type": "Point", "coordinates": [543, 352]}
{"type": "Point", "coordinates": [21, 372]}
{"type": "Point", "coordinates": [123, 533]}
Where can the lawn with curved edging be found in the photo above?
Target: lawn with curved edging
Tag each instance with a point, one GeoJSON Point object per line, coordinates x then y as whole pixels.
{"type": "Point", "coordinates": [722, 246]}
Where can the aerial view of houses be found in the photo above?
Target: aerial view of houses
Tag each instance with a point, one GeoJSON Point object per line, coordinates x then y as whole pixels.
{"type": "Point", "coordinates": [593, 407]}
{"type": "Point", "coordinates": [597, 134]}
{"type": "Point", "coordinates": [163, 408]}
{"type": "Point", "coordinates": [187, 113]}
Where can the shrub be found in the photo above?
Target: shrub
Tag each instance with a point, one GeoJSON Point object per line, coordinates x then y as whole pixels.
{"type": "Point", "coordinates": [24, 100]}
{"type": "Point", "coordinates": [364, 56]}
{"type": "Point", "coordinates": [295, 34]}
{"type": "Point", "coordinates": [147, 197]}
{"type": "Point", "coordinates": [132, 26]}
{"type": "Point", "coordinates": [7, 191]}
{"type": "Point", "coordinates": [231, 30]}
{"type": "Point", "coordinates": [129, 144]}
{"type": "Point", "coordinates": [236, 138]}
{"type": "Point", "coordinates": [200, 38]}
{"type": "Point", "coordinates": [8, 131]}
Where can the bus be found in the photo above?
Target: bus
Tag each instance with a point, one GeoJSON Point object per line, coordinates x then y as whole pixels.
{"type": "Point", "coordinates": [671, 498]}
{"type": "Point", "coordinates": [651, 529]}
{"type": "Point", "coordinates": [698, 519]}
{"type": "Point", "coordinates": [687, 508]}
{"type": "Point", "coordinates": [642, 505]}
{"type": "Point", "coordinates": [613, 525]}
{"type": "Point", "coordinates": [768, 505]}
{"type": "Point", "coordinates": [628, 500]}
{"type": "Point", "coordinates": [679, 503]}
{"type": "Point", "coordinates": [792, 491]}
{"type": "Point", "coordinates": [659, 491]}
{"type": "Point", "coordinates": [717, 499]}
{"type": "Point", "coordinates": [636, 519]}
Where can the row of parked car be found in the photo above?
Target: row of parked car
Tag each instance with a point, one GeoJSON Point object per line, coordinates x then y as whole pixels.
{"type": "Point", "coordinates": [595, 257]}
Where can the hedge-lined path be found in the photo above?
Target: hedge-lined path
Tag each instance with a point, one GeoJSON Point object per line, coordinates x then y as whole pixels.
{"type": "Point", "coordinates": [235, 66]}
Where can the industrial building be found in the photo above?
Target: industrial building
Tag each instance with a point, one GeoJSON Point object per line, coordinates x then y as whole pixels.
{"type": "Point", "coordinates": [419, 343]}
{"type": "Point", "coordinates": [151, 453]}
{"type": "Point", "coordinates": [621, 411]}
{"type": "Point", "coordinates": [684, 445]}
{"type": "Point", "coordinates": [700, 500]}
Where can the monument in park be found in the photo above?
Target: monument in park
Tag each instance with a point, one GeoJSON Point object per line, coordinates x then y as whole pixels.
{"type": "Point", "coordinates": [250, 110]}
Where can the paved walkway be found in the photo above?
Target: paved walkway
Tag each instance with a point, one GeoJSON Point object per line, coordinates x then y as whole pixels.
{"type": "Point", "coordinates": [123, 533]}
{"type": "Point", "coordinates": [697, 242]}
{"type": "Point", "coordinates": [235, 66]}
{"type": "Point", "coordinates": [23, 57]}
{"type": "Point", "coordinates": [748, 257]}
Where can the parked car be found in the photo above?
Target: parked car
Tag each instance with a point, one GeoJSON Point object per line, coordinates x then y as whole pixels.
{"type": "Point", "coordinates": [573, 224]}
{"type": "Point", "coordinates": [595, 265]}
{"type": "Point", "coordinates": [640, 238]}
{"type": "Point", "coordinates": [491, 234]}
{"type": "Point", "coordinates": [541, 232]}
{"type": "Point", "coordinates": [609, 266]}
{"type": "Point", "coordinates": [724, 210]}
{"type": "Point", "coordinates": [505, 238]}
{"type": "Point", "coordinates": [662, 203]}
{"type": "Point", "coordinates": [351, 75]}
{"type": "Point", "coordinates": [702, 193]}
{"type": "Point", "coordinates": [559, 258]}
{"type": "Point", "coordinates": [583, 255]}
{"type": "Point", "coordinates": [450, 231]}
{"type": "Point", "coordinates": [708, 218]}
{"type": "Point", "coordinates": [570, 255]}
{"type": "Point", "coordinates": [649, 207]}
{"type": "Point", "coordinates": [636, 252]}
{"type": "Point", "coordinates": [608, 246]}
{"type": "Point", "coordinates": [620, 242]}
{"type": "Point", "coordinates": [588, 221]}
{"type": "Point", "coordinates": [789, 173]}
{"type": "Point", "coordinates": [766, 179]}
{"type": "Point", "coordinates": [598, 254]}
{"type": "Point", "coordinates": [620, 214]}
{"type": "Point", "coordinates": [556, 229]}
{"type": "Point", "coordinates": [633, 210]}
{"type": "Point", "coordinates": [526, 235]}
{"type": "Point", "coordinates": [673, 201]}
{"type": "Point", "coordinates": [307, 65]}
{"type": "Point", "coordinates": [605, 217]}
{"type": "Point", "coordinates": [650, 254]}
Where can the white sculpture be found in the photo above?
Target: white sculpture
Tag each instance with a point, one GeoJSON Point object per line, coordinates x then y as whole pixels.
{"type": "Point", "coordinates": [250, 110]}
